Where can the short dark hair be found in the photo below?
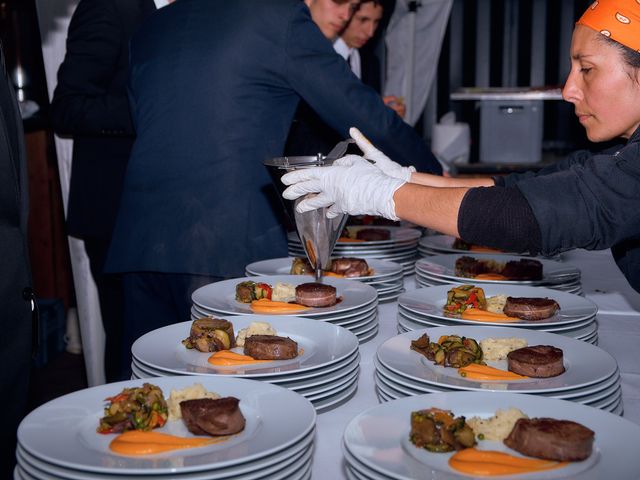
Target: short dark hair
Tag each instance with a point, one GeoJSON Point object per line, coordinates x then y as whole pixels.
{"type": "Point", "coordinates": [377, 3]}
{"type": "Point", "coordinates": [629, 55]}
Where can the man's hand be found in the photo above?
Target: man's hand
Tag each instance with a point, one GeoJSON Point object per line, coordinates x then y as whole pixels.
{"type": "Point", "coordinates": [396, 104]}
{"type": "Point", "coordinates": [384, 163]}
{"type": "Point", "coordinates": [351, 185]}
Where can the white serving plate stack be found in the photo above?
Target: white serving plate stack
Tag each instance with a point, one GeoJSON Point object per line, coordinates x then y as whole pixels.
{"type": "Point", "coordinates": [439, 244]}
{"type": "Point", "coordinates": [376, 442]}
{"type": "Point", "coordinates": [423, 308]}
{"type": "Point", "coordinates": [387, 277]}
{"type": "Point", "coordinates": [591, 375]}
{"type": "Point", "coordinates": [59, 440]}
{"type": "Point", "coordinates": [357, 311]}
{"type": "Point", "coordinates": [325, 371]}
{"type": "Point", "coordinates": [441, 270]}
{"type": "Point", "coordinates": [402, 246]}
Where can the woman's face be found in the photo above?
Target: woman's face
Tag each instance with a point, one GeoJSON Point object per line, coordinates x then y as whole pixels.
{"type": "Point", "coordinates": [603, 88]}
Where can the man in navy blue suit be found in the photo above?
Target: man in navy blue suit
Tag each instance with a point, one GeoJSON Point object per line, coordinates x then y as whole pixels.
{"type": "Point", "coordinates": [214, 86]}
{"type": "Point", "coordinates": [90, 104]}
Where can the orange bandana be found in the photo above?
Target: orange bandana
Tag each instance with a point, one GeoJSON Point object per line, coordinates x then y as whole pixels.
{"type": "Point", "coordinates": [616, 19]}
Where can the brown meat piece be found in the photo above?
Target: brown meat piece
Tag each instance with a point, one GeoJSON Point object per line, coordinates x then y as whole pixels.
{"type": "Point", "coordinates": [208, 416]}
{"type": "Point", "coordinates": [373, 234]}
{"type": "Point", "coordinates": [539, 361]}
{"type": "Point", "coordinates": [316, 295]}
{"type": "Point", "coordinates": [270, 347]}
{"type": "Point", "coordinates": [350, 267]}
{"type": "Point", "coordinates": [530, 308]}
{"type": "Point", "coordinates": [551, 439]}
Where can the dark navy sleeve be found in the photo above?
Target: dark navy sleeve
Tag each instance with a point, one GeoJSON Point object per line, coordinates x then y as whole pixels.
{"type": "Point", "coordinates": [324, 80]}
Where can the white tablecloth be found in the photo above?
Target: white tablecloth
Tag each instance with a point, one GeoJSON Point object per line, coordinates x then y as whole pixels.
{"type": "Point", "coordinates": [619, 334]}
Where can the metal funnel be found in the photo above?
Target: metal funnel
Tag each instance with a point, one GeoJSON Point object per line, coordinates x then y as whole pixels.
{"type": "Point", "coordinates": [317, 233]}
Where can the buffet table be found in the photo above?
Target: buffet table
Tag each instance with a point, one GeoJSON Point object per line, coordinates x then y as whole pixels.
{"type": "Point", "coordinates": [619, 334]}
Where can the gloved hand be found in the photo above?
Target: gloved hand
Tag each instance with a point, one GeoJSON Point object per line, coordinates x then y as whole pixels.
{"type": "Point", "coordinates": [383, 162]}
{"type": "Point", "coordinates": [351, 185]}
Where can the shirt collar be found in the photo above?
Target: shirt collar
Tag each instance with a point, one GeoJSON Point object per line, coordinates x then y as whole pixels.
{"type": "Point", "coordinates": [161, 3]}
{"type": "Point", "coordinates": [342, 48]}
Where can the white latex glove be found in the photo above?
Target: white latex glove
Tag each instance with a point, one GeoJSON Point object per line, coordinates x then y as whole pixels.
{"type": "Point", "coordinates": [351, 185]}
{"type": "Point", "coordinates": [383, 162]}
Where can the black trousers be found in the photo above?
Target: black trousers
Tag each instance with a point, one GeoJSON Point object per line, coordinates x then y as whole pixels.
{"type": "Point", "coordinates": [111, 306]}
{"type": "Point", "coordinates": [153, 300]}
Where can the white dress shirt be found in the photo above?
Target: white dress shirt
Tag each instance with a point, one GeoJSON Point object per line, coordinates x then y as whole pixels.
{"type": "Point", "coordinates": [351, 55]}
{"type": "Point", "coordinates": [161, 3]}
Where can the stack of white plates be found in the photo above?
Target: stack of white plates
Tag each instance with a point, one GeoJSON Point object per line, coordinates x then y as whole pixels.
{"type": "Point", "coordinates": [59, 440]}
{"type": "Point", "coordinates": [387, 277]}
{"type": "Point", "coordinates": [402, 246]}
{"type": "Point", "coordinates": [376, 443]}
{"type": "Point", "coordinates": [438, 244]}
{"type": "Point", "coordinates": [356, 311]}
{"type": "Point", "coordinates": [591, 375]}
{"type": "Point", "coordinates": [325, 372]}
{"type": "Point", "coordinates": [441, 270]}
{"type": "Point", "coordinates": [576, 318]}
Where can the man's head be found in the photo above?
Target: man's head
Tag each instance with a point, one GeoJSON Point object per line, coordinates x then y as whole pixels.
{"type": "Point", "coordinates": [331, 16]}
{"type": "Point", "coordinates": [363, 24]}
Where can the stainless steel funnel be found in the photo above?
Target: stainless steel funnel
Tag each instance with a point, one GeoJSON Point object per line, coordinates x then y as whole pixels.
{"type": "Point", "coordinates": [317, 233]}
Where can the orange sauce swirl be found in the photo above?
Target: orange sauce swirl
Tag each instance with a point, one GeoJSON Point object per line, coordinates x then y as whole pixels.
{"type": "Point", "coordinates": [227, 358]}
{"type": "Point", "coordinates": [264, 305]}
{"type": "Point", "coordinates": [492, 463]}
{"type": "Point", "coordinates": [479, 315]}
{"type": "Point", "coordinates": [137, 442]}
{"type": "Point", "coordinates": [475, 371]}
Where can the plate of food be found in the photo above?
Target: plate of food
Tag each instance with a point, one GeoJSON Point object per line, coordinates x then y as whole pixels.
{"type": "Point", "coordinates": [274, 346]}
{"type": "Point", "coordinates": [84, 429]}
{"type": "Point", "coordinates": [509, 269]}
{"type": "Point", "coordinates": [284, 295]}
{"type": "Point", "coordinates": [445, 436]}
{"type": "Point", "coordinates": [496, 359]}
{"type": "Point", "coordinates": [451, 244]}
{"type": "Point", "coordinates": [499, 304]}
{"type": "Point", "coordinates": [355, 268]}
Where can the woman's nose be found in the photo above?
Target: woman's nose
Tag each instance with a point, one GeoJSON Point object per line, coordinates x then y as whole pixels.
{"type": "Point", "coordinates": [571, 92]}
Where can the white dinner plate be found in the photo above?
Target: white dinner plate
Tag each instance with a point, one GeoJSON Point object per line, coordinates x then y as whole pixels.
{"type": "Point", "coordinates": [397, 235]}
{"type": "Point", "coordinates": [444, 266]}
{"type": "Point", "coordinates": [320, 343]}
{"type": "Point", "coordinates": [430, 302]}
{"type": "Point", "coordinates": [265, 466]}
{"type": "Point", "coordinates": [63, 431]}
{"type": "Point", "coordinates": [444, 244]}
{"type": "Point", "coordinates": [379, 436]}
{"type": "Point", "coordinates": [282, 266]}
{"type": "Point", "coordinates": [221, 296]}
{"type": "Point", "coordinates": [585, 364]}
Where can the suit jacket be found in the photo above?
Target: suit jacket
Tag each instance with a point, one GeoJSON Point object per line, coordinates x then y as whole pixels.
{"type": "Point", "coordinates": [15, 346]}
{"type": "Point", "coordinates": [215, 85]}
{"type": "Point", "coordinates": [90, 103]}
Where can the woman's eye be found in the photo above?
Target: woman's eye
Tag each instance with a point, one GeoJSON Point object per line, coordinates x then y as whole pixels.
{"type": "Point", "coordinates": [585, 70]}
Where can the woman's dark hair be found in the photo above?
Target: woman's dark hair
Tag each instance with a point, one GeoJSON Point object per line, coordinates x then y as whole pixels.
{"type": "Point", "coordinates": [630, 56]}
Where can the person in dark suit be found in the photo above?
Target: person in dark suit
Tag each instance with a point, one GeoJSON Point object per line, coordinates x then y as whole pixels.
{"type": "Point", "coordinates": [357, 44]}
{"type": "Point", "coordinates": [211, 102]}
{"type": "Point", "coordinates": [16, 296]}
{"type": "Point", "coordinates": [90, 104]}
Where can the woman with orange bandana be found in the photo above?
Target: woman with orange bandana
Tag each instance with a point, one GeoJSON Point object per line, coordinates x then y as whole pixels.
{"type": "Point", "coordinates": [588, 200]}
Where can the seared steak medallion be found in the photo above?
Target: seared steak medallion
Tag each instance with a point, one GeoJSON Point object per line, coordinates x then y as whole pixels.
{"type": "Point", "coordinates": [208, 416]}
{"type": "Point", "coordinates": [551, 439]}
{"type": "Point", "coordinates": [540, 361]}
{"type": "Point", "coordinates": [316, 295]}
{"type": "Point", "coordinates": [530, 308]}
{"type": "Point", "coordinates": [373, 234]}
{"type": "Point", "coordinates": [523, 269]}
{"type": "Point", "coordinates": [270, 347]}
{"type": "Point", "coordinates": [350, 267]}
{"type": "Point", "coordinates": [210, 335]}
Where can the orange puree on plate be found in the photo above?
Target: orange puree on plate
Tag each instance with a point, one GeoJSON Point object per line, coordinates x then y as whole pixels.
{"type": "Point", "coordinates": [137, 442]}
{"type": "Point", "coordinates": [227, 358]}
{"type": "Point", "coordinates": [347, 240]}
{"type": "Point", "coordinates": [486, 316]}
{"type": "Point", "coordinates": [264, 305]}
{"type": "Point", "coordinates": [490, 276]}
{"type": "Point", "coordinates": [478, 248]}
{"type": "Point", "coordinates": [475, 371]}
{"type": "Point", "coordinates": [489, 463]}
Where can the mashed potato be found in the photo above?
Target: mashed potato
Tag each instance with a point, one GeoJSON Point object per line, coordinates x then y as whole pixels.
{"type": "Point", "coordinates": [254, 328]}
{"type": "Point", "coordinates": [496, 303]}
{"type": "Point", "coordinates": [188, 393]}
{"type": "Point", "coordinates": [497, 427]}
{"type": "Point", "coordinates": [498, 348]}
{"type": "Point", "coordinates": [283, 292]}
